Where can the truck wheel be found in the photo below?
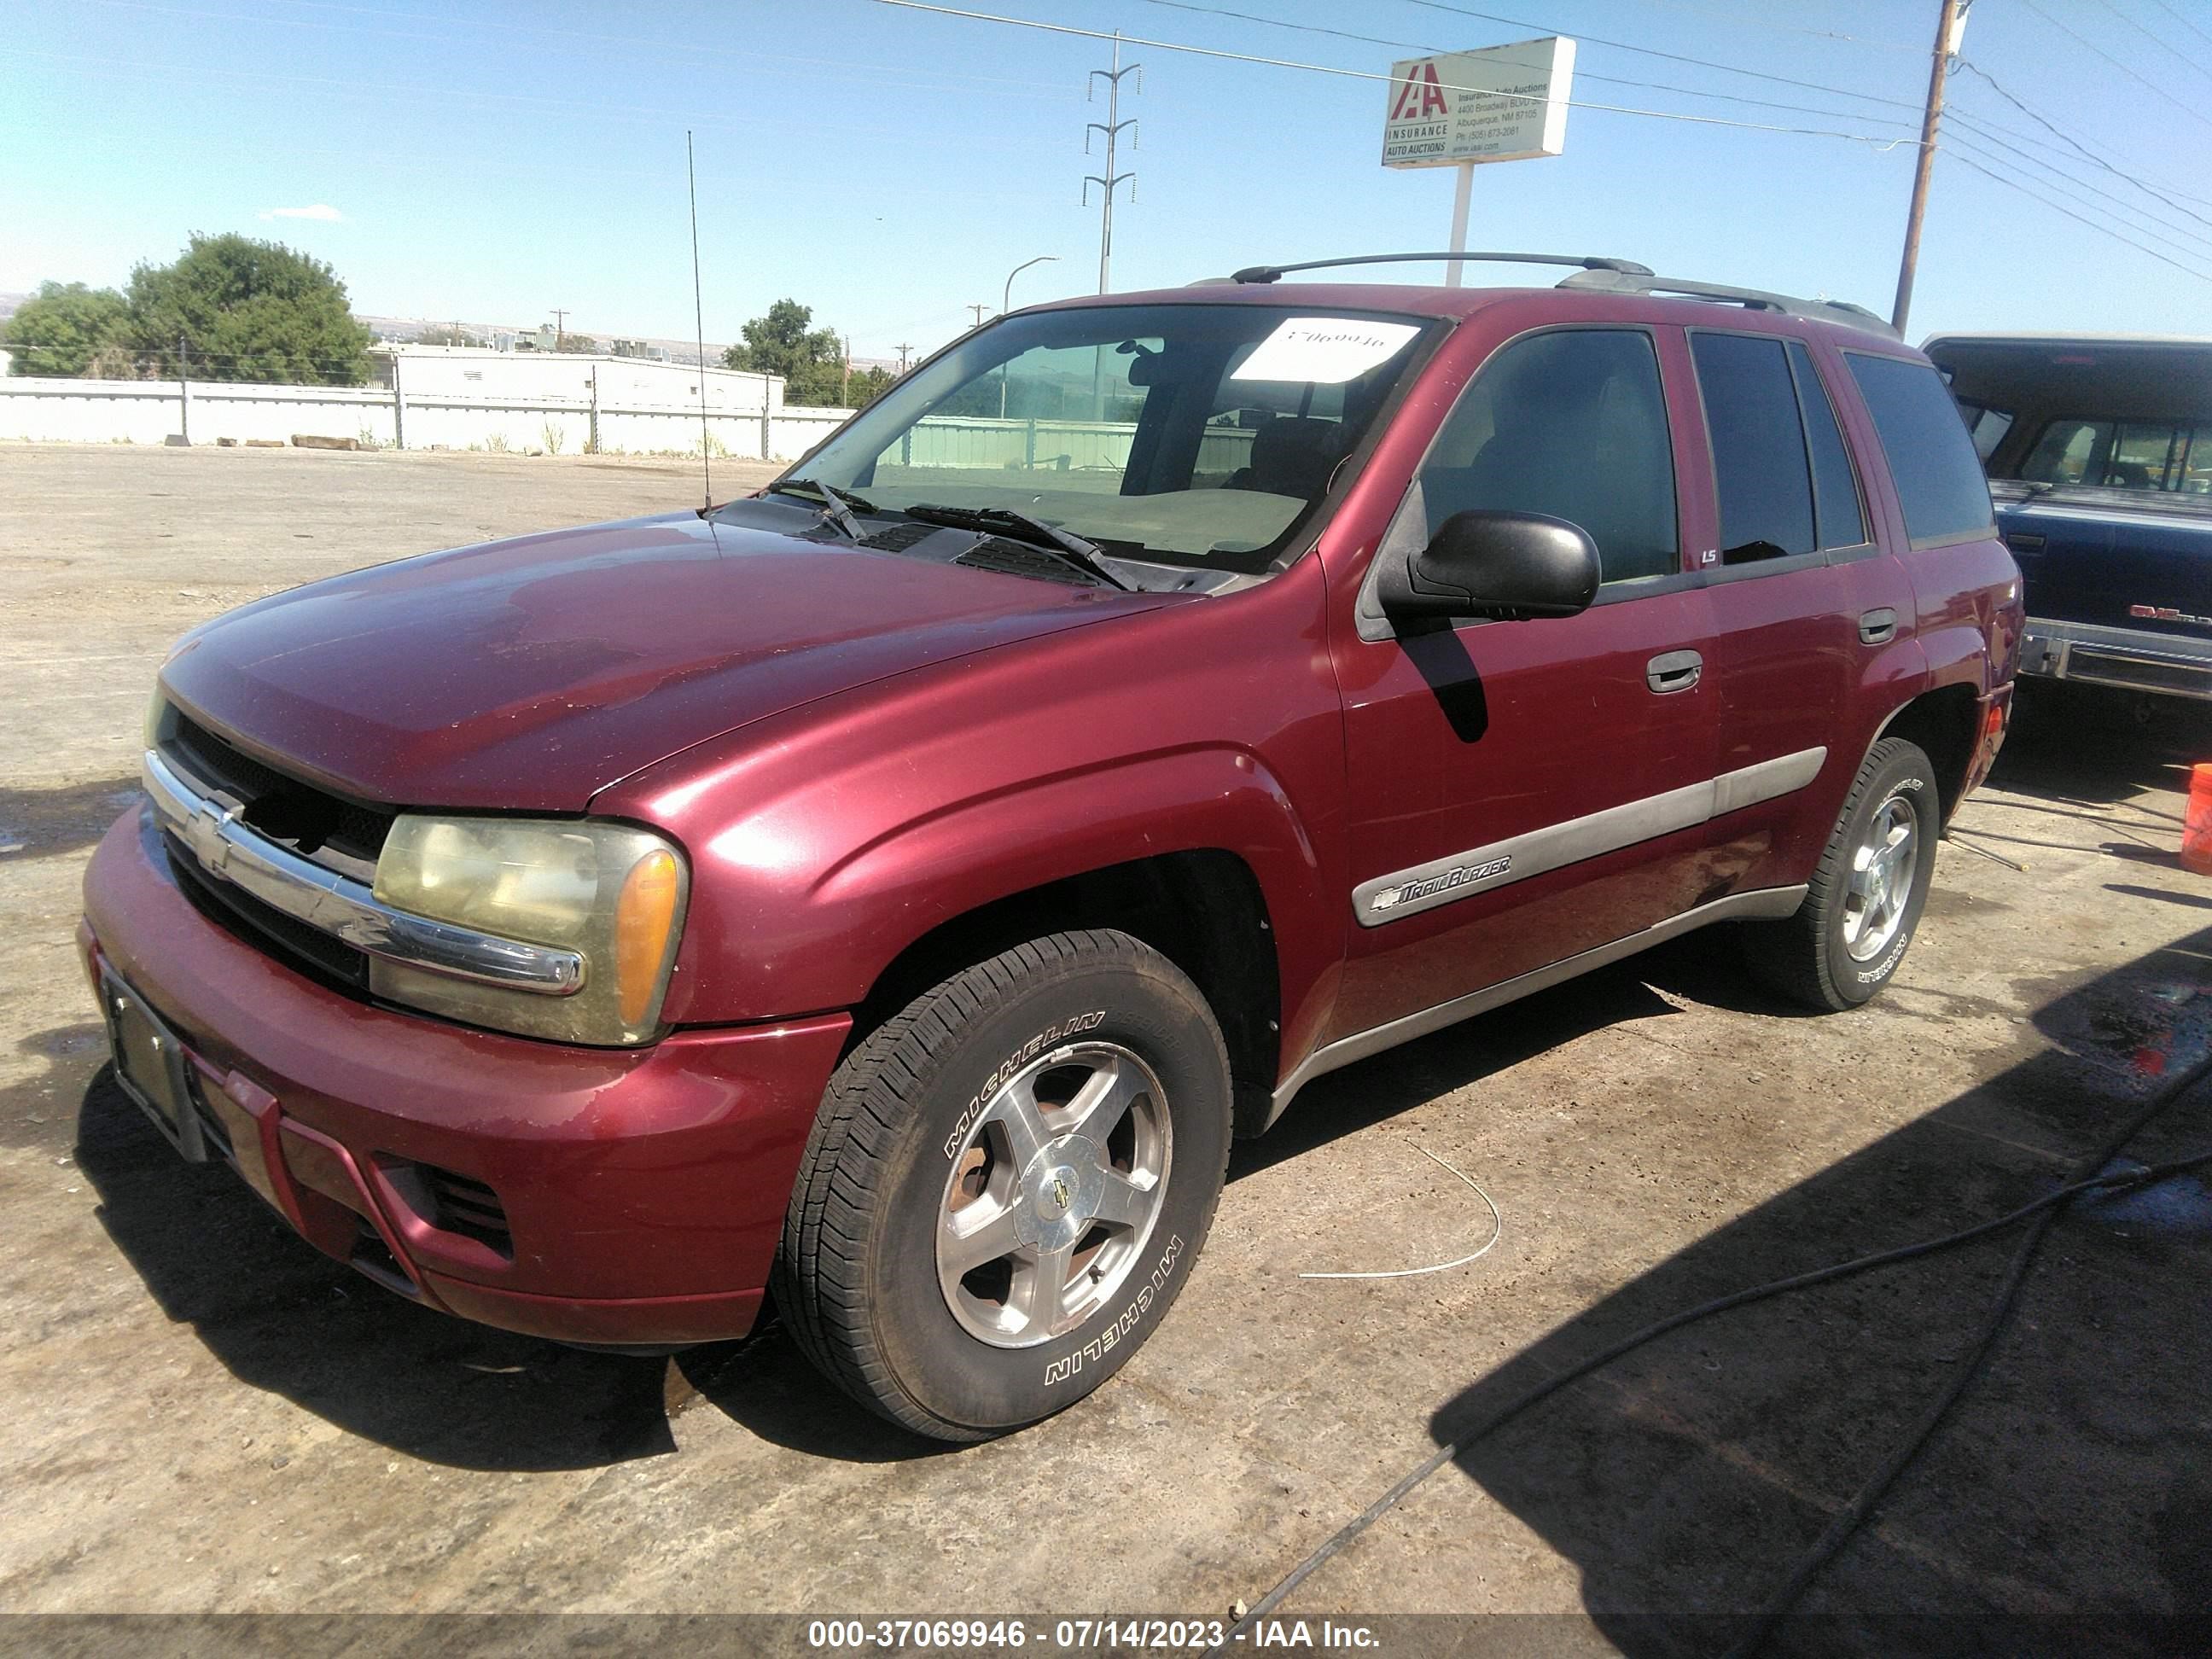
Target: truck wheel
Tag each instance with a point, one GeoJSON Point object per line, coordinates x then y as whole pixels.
{"type": "Point", "coordinates": [1006, 1184]}
{"type": "Point", "coordinates": [1866, 895]}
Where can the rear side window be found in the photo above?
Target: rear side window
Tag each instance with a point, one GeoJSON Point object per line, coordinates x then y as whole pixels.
{"type": "Point", "coordinates": [1835, 491]}
{"type": "Point", "coordinates": [1571, 423]}
{"type": "Point", "coordinates": [1758, 446]}
{"type": "Point", "coordinates": [2122, 455]}
{"type": "Point", "coordinates": [1932, 460]}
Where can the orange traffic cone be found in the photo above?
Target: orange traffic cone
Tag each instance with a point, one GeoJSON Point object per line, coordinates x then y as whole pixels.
{"type": "Point", "coordinates": [2196, 828]}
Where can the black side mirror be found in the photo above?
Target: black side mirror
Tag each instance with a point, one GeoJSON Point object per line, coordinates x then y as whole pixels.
{"type": "Point", "coordinates": [1509, 565]}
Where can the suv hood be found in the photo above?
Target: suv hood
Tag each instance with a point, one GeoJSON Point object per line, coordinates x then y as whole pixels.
{"type": "Point", "coordinates": [528, 675]}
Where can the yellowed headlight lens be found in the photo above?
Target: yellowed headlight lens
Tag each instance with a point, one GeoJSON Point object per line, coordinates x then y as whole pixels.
{"type": "Point", "coordinates": [612, 892]}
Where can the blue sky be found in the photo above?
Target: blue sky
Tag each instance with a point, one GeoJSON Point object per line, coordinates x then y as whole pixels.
{"type": "Point", "coordinates": [889, 167]}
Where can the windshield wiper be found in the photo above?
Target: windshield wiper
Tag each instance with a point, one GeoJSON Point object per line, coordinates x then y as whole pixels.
{"type": "Point", "coordinates": [840, 509]}
{"type": "Point", "coordinates": [1084, 555]}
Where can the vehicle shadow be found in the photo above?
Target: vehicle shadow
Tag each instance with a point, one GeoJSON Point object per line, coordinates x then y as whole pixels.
{"type": "Point", "coordinates": [2072, 1483]}
{"type": "Point", "coordinates": [2086, 744]}
{"type": "Point", "coordinates": [1704, 967]}
{"type": "Point", "coordinates": [281, 1316]}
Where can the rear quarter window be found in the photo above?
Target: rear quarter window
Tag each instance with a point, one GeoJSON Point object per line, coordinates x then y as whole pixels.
{"type": "Point", "coordinates": [1931, 458]}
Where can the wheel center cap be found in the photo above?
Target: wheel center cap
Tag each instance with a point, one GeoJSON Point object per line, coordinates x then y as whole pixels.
{"type": "Point", "coordinates": [1060, 1193]}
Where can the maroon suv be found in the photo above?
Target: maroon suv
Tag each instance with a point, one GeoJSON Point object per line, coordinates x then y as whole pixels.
{"type": "Point", "coordinates": [898, 886]}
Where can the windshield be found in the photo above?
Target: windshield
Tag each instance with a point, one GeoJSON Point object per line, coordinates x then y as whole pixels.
{"type": "Point", "coordinates": [1191, 434]}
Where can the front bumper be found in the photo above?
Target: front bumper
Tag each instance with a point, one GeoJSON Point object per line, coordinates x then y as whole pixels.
{"type": "Point", "coordinates": [2135, 659]}
{"type": "Point", "coordinates": [642, 1191]}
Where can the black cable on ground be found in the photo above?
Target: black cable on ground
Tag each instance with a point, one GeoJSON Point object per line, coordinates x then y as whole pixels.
{"type": "Point", "coordinates": [2043, 1211]}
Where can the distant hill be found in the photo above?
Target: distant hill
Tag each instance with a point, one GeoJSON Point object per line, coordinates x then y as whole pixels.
{"type": "Point", "coordinates": [9, 303]}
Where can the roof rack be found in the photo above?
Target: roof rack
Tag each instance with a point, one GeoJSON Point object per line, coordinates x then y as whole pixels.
{"type": "Point", "coordinates": [1640, 281]}
{"type": "Point", "coordinates": [1610, 276]}
{"type": "Point", "coordinates": [1587, 262]}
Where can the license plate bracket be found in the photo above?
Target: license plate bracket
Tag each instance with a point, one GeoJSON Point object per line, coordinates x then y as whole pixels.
{"type": "Point", "coordinates": [152, 1067]}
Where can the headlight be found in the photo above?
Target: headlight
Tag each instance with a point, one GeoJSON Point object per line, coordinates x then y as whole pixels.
{"type": "Point", "coordinates": [611, 892]}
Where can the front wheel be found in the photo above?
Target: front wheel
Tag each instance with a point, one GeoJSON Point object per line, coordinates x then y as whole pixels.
{"type": "Point", "coordinates": [1008, 1184]}
{"type": "Point", "coordinates": [1864, 900]}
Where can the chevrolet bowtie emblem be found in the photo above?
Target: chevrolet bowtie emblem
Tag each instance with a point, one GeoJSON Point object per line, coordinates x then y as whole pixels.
{"type": "Point", "coordinates": [203, 833]}
{"type": "Point", "coordinates": [1060, 1193]}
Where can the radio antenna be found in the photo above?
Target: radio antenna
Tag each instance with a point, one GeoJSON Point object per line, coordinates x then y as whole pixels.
{"type": "Point", "coordinates": [699, 324]}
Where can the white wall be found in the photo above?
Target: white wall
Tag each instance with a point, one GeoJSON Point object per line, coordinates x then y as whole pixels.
{"type": "Point", "coordinates": [155, 412]}
{"type": "Point", "coordinates": [474, 372]}
{"type": "Point", "coordinates": [463, 417]}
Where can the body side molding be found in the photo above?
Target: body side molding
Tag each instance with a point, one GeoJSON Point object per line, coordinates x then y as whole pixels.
{"type": "Point", "coordinates": [1768, 902]}
{"type": "Point", "coordinates": [1482, 869]}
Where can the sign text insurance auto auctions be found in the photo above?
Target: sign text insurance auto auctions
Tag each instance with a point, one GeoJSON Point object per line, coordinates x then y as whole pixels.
{"type": "Point", "coordinates": [1506, 104]}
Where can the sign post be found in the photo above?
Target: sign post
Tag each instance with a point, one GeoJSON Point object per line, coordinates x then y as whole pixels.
{"type": "Point", "coordinates": [1459, 110]}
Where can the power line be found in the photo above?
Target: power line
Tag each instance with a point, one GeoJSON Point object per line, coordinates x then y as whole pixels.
{"type": "Point", "coordinates": [2163, 233]}
{"type": "Point", "coordinates": [2085, 40]}
{"type": "Point", "coordinates": [2079, 148]}
{"type": "Point", "coordinates": [2104, 195]}
{"type": "Point", "coordinates": [2155, 38]}
{"type": "Point", "coordinates": [678, 51]}
{"type": "Point", "coordinates": [1367, 75]}
{"type": "Point", "coordinates": [658, 114]}
{"type": "Point", "coordinates": [1581, 74]}
{"type": "Point", "coordinates": [1702, 62]}
{"type": "Point", "coordinates": [2010, 184]}
{"type": "Point", "coordinates": [1988, 130]}
{"type": "Point", "coordinates": [2182, 19]}
{"type": "Point", "coordinates": [1359, 74]}
{"type": "Point", "coordinates": [1671, 57]}
{"type": "Point", "coordinates": [1741, 18]}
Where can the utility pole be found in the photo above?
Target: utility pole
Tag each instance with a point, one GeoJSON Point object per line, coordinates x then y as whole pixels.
{"type": "Point", "coordinates": [1111, 126]}
{"type": "Point", "coordinates": [902, 351]}
{"type": "Point", "coordinates": [560, 331]}
{"type": "Point", "coordinates": [1950, 27]}
{"type": "Point", "coordinates": [845, 377]}
{"type": "Point", "coordinates": [978, 310]}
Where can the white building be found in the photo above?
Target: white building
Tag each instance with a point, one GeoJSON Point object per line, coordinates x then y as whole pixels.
{"type": "Point", "coordinates": [432, 371]}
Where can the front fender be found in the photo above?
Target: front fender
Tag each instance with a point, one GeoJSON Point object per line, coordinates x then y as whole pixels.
{"type": "Point", "coordinates": [827, 841]}
{"type": "Point", "coordinates": [929, 872]}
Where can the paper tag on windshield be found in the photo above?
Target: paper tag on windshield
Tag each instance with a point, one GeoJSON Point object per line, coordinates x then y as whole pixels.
{"type": "Point", "coordinates": [1325, 350]}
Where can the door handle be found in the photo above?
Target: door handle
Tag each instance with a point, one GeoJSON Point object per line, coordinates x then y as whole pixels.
{"type": "Point", "coordinates": [1877, 627]}
{"type": "Point", "coordinates": [1673, 670]}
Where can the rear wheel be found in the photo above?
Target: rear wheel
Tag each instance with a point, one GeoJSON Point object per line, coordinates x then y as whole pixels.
{"type": "Point", "coordinates": [1864, 900]}
{"type": "Point", "coordinates": [1008, 1184]}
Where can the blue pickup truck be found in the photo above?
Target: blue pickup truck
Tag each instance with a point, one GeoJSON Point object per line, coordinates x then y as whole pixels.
{"type": "Point", "coordinates": [2098, 450]}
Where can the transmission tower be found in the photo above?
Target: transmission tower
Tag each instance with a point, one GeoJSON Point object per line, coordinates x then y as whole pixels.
{"type": "Point", "coordinates": [1108, 181]}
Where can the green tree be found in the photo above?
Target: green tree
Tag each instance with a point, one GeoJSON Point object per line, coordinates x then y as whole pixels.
{"type": "Point", "coordinates": [248, 310]}
{"type": "Point", "coordinates": [448, 337]}
{"type": "Point", "coordinates": [810, 360]}
{"type": "Point", "coordinates": [867, 385]}
{"type": "Point", "coordinates": [64, 326]}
